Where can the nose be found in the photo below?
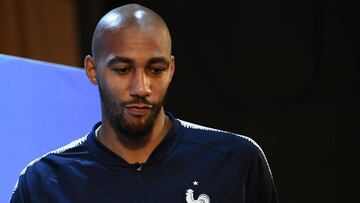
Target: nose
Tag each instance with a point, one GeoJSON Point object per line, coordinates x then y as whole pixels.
{"type": "Point", "coordinates": [140, 84]}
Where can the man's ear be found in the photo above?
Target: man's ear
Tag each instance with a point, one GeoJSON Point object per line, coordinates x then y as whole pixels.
{"type": "Point", "coordinates": [90, 69]}
{"type": "Point", "coordinates": [172, 67]}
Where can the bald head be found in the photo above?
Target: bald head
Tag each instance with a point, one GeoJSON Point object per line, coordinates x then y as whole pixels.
{"type": "Point", "coordinates": [130, 17]}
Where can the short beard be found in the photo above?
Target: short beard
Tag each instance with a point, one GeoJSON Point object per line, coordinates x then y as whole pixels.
{"type": "Point", "coordinates": [114, 111]}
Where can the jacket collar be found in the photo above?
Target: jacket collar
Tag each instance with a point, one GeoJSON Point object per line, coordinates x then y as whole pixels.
{"type": "Point", "coordinates": [102, 154]}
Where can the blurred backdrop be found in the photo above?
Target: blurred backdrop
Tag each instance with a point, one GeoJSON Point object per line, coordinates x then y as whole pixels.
{"type": "Point", "coordinates": [281, 72]}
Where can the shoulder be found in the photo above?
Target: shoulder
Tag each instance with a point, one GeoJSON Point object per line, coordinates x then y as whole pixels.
{"type": "Point", "coordinates": [216, 137]}
{"type": "Point", "coordinates": [39, 171]}
{"type": "Point", "coordinates": [50, 162]}
{"type": "Point", "coordinates": [232, 144]}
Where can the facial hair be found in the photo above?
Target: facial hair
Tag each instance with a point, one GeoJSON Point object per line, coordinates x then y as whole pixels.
{"type": "Point", "coordinates": [114, 111]}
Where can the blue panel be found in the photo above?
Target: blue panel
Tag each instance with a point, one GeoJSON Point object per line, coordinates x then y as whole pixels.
{"type": "Point", "coordinates": [43, 106]}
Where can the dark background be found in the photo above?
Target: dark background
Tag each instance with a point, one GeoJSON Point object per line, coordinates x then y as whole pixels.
{"type": "Point", "coordinates": [283, 72]}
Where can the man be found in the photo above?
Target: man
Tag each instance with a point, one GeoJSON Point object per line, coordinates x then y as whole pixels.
{"type": "Point", "coordinates": [139, 152]}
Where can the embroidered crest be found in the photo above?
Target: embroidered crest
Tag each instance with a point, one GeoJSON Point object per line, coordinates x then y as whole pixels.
{"type": "Point", "coordinates": [202, 198]}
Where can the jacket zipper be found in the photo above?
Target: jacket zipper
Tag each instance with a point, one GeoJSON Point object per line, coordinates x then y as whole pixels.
{"type": "Point", "coordinates": [140, 187]}
{"type": "Point", "coordinates": [139, 166]}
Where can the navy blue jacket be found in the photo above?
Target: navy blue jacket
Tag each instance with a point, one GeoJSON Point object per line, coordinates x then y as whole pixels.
{"type": "Point", "coordinates": [193, 164]}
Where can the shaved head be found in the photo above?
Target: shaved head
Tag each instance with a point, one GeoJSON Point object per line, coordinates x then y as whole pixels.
{"type": "Point", "coordinates": [132, 17]}
{"type": "Point", "coordinates": [132, 65]}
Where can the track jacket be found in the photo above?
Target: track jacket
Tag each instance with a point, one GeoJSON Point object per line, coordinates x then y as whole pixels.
{"type": "Point", "coordinates": [193, 164]}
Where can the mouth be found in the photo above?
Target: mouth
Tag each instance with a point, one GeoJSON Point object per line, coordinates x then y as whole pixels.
{"type": "Point", "coordinates": [138, 109]}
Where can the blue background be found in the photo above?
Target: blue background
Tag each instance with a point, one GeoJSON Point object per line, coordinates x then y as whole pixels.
{"type": "Point", "coordinates": [43, 106]}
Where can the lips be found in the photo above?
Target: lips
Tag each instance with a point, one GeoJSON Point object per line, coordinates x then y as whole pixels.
{"type": "Point", "coordinates": [138, 109]}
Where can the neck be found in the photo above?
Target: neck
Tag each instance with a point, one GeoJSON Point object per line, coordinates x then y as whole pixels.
{"type": "Point", "coordinates": [134, 151]}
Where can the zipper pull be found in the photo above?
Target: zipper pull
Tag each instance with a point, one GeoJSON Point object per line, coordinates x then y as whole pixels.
{"type": "Point", "coordinates": [138, 167]}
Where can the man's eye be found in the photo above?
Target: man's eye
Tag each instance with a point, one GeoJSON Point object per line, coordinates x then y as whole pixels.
{"type": "Point", "coordinates": [156, 70]}
{"type": "Point", "coordinates": [122, 70]}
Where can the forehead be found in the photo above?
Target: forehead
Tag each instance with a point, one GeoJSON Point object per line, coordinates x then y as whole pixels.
{"type": "Point", "coordinates": [134, 42]}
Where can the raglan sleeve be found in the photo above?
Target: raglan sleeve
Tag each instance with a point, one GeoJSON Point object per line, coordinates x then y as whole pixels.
{"type": "Point", "coordinates": [260, 187]}
{"type": "Point", "coordinates": [19, 194]}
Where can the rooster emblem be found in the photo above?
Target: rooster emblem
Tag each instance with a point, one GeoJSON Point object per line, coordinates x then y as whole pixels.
{"type": "Point", "coordinates": [203, 198]}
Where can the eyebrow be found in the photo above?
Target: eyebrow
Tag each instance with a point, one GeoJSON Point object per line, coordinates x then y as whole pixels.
{"type": "Point", "coordinates": [121, 59]}
{"type": "Point", "coordinates": [159, 60]}
{"type": "Point", "coordinates": [118, 59]}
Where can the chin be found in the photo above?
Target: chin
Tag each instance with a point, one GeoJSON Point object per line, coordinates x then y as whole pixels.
{"type": "Point", "coordinates": [134, 127]}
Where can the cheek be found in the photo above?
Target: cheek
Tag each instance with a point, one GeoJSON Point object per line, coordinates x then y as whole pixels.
{"type": "Point", "coordinates": [161, 87]}
{"type": "Point", "coordinates": [114, 87]}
